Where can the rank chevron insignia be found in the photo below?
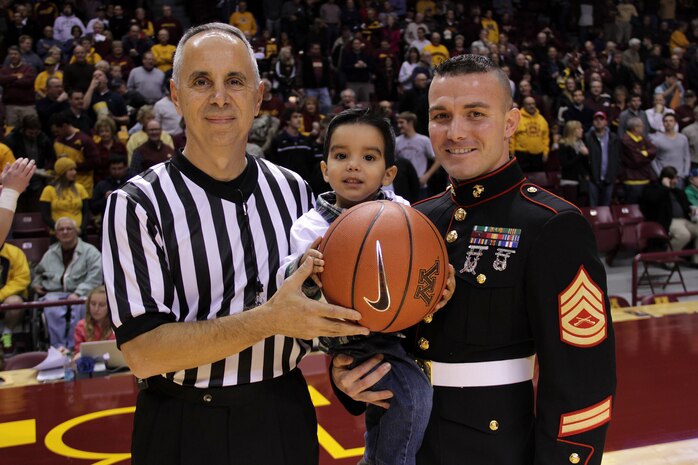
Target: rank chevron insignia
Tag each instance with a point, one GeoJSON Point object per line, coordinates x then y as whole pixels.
{"type": "Point", "coordinates": [382, 303]}
{"type": "Point", "coordinates": [582, 313]}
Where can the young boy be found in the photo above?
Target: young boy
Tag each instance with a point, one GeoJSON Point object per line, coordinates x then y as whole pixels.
{"type": "Point", "coordinates": [358, 160]}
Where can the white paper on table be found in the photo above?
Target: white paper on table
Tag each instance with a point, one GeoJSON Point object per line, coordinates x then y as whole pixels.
{"type": "Point", "coordinates": [50, 375]}
{"type": "Point", "coordinates": [54, 359]}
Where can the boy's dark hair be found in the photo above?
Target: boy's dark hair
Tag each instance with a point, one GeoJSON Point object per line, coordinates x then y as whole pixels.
{"type": "Point", "coordinates": [30, 122]}
{"type": "Point", "coordinates": [364, 116]}
{"type": "Point", "coordinates": [668, 172]}
{"type": "Point", "coordinates": [475, 64]}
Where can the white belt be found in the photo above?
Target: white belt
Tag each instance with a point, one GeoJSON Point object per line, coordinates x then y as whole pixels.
{"type": "Point", "coordinates": [476, 374]}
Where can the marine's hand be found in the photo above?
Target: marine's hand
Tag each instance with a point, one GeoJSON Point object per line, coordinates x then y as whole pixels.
{"type": "Point", "coordinates": [295, 315]}
{"type": "Point", "coordinates": [357, 382]}
{"type": "Point", "coordinates": [17, 175]}
{"type": "Point", "coordinates": [450, 289]}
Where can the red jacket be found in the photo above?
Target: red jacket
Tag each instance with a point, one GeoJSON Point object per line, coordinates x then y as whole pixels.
{"type": "Point", "coordinates": [18, 84]}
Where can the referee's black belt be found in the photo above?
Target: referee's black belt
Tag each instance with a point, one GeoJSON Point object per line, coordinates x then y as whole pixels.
{"type": "Point", "coordinates": [220, 396]}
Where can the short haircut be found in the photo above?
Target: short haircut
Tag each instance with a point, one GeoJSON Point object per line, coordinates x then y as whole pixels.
{"type": "Point", "coordinates": [635, 95]}
{"type": "Point", "coordinates": [476, 64]}
{"type": "Point", "coordinates": [408, 116]}
{"type": "Point", "coordinates": [669, 115]}
{"type": "Point", "coordinates": [13, 48]}
{"type": "Point", "coordinates": [212, 27]}
{"type": "Point", "coordinates": [370, 118]}
{"type": "Point", "coordinates": [289, 112]}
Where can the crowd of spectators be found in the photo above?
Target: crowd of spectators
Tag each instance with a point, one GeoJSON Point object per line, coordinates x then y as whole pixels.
{"type": "Point", "coordinates": [606, 89]}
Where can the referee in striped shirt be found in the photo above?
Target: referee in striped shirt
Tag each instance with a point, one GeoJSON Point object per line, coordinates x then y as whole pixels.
{"type": "Point", "coordinates": [191, 248]}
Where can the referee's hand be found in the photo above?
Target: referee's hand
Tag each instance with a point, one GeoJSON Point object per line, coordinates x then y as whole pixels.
{"type": "Point", "coordinates": [295, 315]}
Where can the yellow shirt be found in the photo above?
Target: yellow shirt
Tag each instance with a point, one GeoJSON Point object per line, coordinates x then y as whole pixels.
{"type": "Point", "coordinates": [67, 204]}
{"type": "Point", "coordinates": [244, 21]}
{"type": "Point", "coordinates": [163, 56]}
{"type": "Point", "coordinates": [18, 278]}
{"type": "Point", "coordinates": [438, 53]}
{"type": "Point", "coordinates": [492, 29]}
{"type": "Point", "coordinates": [678, 39]}
{"type": "Point", "coordinates": [40, 81]}
{"type": "Point", "coordinates": [91, 58]}
{"type": "Point", "coordinates": [6, 156]}
{"type": "Point", "coordinates": [422, 6]}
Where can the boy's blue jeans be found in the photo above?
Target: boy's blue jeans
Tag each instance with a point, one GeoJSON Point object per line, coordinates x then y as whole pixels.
{"type": "Point", "coordinates": [393, 436]}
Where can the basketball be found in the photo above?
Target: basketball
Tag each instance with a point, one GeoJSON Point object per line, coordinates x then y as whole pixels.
{"type": "Point", "coordinates": [385, 260]}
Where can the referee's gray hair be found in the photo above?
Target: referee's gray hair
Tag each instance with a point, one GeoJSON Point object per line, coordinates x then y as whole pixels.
{"type": "Point", "coordinates": [212, 27]}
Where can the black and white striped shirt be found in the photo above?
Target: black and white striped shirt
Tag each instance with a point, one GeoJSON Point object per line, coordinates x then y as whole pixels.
{"type": "Point", "coordinates": [180, 246]}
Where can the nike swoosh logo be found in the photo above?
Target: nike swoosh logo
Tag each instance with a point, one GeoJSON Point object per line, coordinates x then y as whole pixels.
{"type": "Point", "coordinates": [382, 303]}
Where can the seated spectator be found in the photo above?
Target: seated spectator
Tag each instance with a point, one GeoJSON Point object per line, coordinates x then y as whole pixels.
{"type": "Point", "coordinates": [69, 269]}
{"type": "Point", "coordinates": [691, 190]}
{"type": "Point", "coordinates": [119, 22]}
{"type": "Point", "coordinates": [96, 326]}
{"type": "Point", "coordinates": [662, 201]}
{"type": "Point", "coordinates": [147, 80]}
{"type": "Point", "coordinates": [76, 115]}
{"type": "Point", "coordinates": [77, 146]}
{"type": "Point", "coordinates": [138, 135]}
{"type": "Point", "coordinates": [29, 140]}
{"type": "Point", "coordinates": [108, 146]}
{"type": "Point", "coordinates": [684, 113]}
{"type": "Point", "coordinates": [133, 99]}
{"type": "Point", "coordinates": [100, 16]}
{"type": "Point", "coordinates": [272, 105]}
{"type": "Point", "coordinates": [152, 152]}
{"type": "Point", "coordinates": [416, 101]}
{"type": "Point", "coordinates": [101, 39]}
{"type": "Point", "coordinates": [65, 197]}
{"type": "Point", "coordinates": [671, 89]}
{"type": "Point", "coordinates": [14, 282]}
{"type": "Point", "coordinates": [118, 174]}
{"type": "Point", "coordinates": [163, 51]}
{"type": "Point", "coordinates": [285, 74]}
{"type": "Point", "coordinates": [17, 81]}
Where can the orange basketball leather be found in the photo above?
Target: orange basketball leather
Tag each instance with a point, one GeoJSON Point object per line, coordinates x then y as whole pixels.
{"type": "Point", "coordinates": [387, 261]}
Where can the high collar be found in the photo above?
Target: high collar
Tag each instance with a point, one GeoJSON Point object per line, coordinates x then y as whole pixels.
{"type": "Point", "coordinates": [488, 186]}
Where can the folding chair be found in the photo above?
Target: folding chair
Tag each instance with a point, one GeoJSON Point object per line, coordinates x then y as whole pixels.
{"type": "Point", "coordinates": [33, 248]}
{"type": "Point", "coordinates": [618, 301]}
{"type": "Point", "coordinates": [650, 233]}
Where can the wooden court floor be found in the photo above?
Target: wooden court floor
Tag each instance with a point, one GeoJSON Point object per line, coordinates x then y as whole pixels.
{"type": "Point", "coordinates": [655, 420]}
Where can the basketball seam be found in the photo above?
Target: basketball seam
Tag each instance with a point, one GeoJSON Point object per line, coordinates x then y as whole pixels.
{"type": "Point", "coordinates": [409, 270]}
{"type": "Point", "coordinates": [360, 251]}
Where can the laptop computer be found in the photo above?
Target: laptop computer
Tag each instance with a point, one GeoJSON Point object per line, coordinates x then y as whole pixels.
{"type": "Point", "coordinates": [98, 349]}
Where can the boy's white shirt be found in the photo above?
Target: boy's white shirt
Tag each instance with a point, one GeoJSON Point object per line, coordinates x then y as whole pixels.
{"type": "Point", "coordinates": [309, 227]}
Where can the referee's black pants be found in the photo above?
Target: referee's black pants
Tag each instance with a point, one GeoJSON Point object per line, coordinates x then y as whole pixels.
{"type": "Point", "coordinates": [266, 423]}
